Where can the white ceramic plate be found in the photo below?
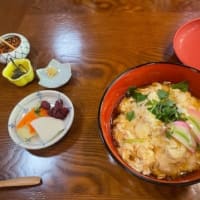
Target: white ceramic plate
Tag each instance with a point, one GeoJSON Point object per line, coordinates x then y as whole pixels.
{"type": "Point", "coordinates": [62, 77]}
{"type": "Point", "coordinates": [31, 101]}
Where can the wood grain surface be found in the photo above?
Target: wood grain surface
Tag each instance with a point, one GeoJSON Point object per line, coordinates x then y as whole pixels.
{"type": "Point", "coordinates": [100, 39]}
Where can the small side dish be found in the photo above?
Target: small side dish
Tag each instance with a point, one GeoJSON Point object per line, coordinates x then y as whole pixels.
{"type": "Point", "coordinates": [19, 72]}
{"type": "Point", "coordinates": [19, 42]}
{"type": "Point", "coordinates": [41, 119]}
{"type": "Point", "coordinates": [157, 129]}
{"type": "Point", "coordinates": [55, 75]}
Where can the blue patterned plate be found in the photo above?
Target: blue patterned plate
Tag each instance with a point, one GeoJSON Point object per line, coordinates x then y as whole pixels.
{"type": "Point", "coordinates": [31, 101]}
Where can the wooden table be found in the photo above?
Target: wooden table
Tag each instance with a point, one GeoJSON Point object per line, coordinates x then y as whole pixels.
{"type": "Point", "coordinates": [100, 39]}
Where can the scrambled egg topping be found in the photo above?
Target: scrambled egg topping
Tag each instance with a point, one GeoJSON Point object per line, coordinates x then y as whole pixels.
{"type": "Point", "coordinates": [142, 141]}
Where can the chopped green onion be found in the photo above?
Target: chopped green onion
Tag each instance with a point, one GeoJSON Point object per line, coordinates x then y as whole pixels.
{"type": "Point", "coordinates": [134, 140]}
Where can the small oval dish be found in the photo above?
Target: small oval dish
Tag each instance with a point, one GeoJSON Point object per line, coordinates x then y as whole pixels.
{"type": "Point", "coordinates": [24, 78]}
{"type": "Point", "coordinates": [26, 105]}
{"type": "Point", "coordinates": [55, 75]}
{"type": "Point", "coordinates": [21, 44]}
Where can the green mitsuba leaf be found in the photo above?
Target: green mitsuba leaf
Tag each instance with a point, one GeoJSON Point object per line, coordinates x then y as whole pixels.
{"type": "Point", "coordinates": [183, 86]}
{"type": "Point", "coordinates": [130, 115]}
{"type": "Point", "coordinates": [131, 91]}
{"type": "Point", "coordinates": [162, 94]}
{"type": "Point", "coordinates": [139, 97]}
{"type": "Point", "coordinates": [136, 95]}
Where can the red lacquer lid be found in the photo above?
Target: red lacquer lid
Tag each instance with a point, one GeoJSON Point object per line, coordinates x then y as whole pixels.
{"type": "Point", "coordinates": [187, 43]}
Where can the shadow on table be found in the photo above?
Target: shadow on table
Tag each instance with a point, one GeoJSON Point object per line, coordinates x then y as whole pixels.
{"type": "Point", "coordinates": [152, 191]}
{"type": "Point", "coordinates": [170, 56]}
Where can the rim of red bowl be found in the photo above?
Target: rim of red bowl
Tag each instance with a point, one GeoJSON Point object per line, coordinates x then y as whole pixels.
{"type": "Point", "coordinates": [178, 181]}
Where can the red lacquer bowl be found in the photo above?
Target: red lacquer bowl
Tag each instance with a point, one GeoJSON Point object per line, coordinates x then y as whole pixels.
{"type": "Point", "coordinates": [139, 76]}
